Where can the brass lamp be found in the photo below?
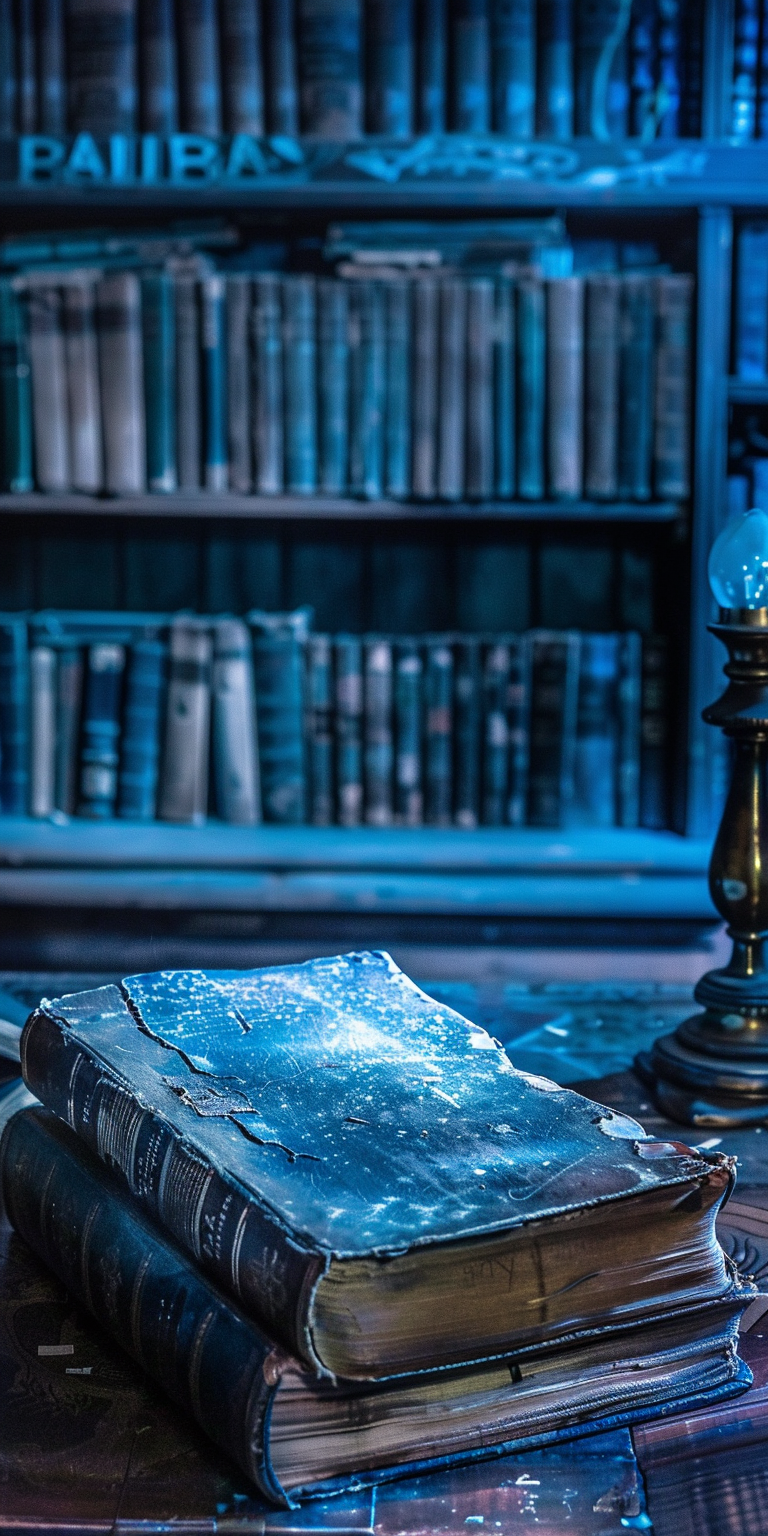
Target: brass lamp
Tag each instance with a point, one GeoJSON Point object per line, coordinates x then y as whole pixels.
{"type": "Point", "coordinates": [713, 1070]}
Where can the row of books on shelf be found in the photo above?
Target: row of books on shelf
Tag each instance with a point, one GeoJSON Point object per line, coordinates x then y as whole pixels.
{"type": "Point", "coordinates": [386, 380]}
{"type": "Point", "coordinates": [344, 68]}
{"type": "Point", "coordinates": [750, 349]}
{"type": "Point", "coordinates": [142, 716]}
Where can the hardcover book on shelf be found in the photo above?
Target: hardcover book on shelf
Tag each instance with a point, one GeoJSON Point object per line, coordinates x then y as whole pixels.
{"type": "Point", "coordinates": [408, 709]}
{"type": "Point", "coordinates": [278, 660]}
{"type": "Point", "coordinates": [235, 748]}
{"type": "Point", "coordinates": [184, 780]}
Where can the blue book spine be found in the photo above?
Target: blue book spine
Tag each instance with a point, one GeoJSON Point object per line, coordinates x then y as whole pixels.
{"type": "Point", "coordinates": [100, 756]}
{"type": "Point", "coordinates": [158, 320]}
{"type": "Point", "coordinates": [670, 68]}
{"type": "Point", "coordinates": [378, 752]}
{"type": "Point", "coordinates": [241, 66]}
{"type": "Point", "coordinates": [213, 298]}
{"type": "Point", "coordinates": [278, 664]}
{"type": "Point", "coordinates": [367, 378]}
{"type": "Point", "coordinates": [628, 728]}
{"type": "Point", "coordinates": [389, 73]}
{"type": "Point", "coordinates": [438, 732]}
{"type": "Point", "coordinates": [425, 386]}
{"type": "Point", "coordinates": [9, 75]}
{"type": "Point", "coordinates": [531, 324]}
{"type": "Point", "coordinates": [300, 385]}
{"type": "Point", "coordinates": [15, 393]}
{"type": "Point", "coordinates": [554, 702]}
{"type": "Point", "coordinates": [51, 83]}
{"type": "Point", "coordinates": [102, 94]}
{"type": "Point", "coordinates": [554, 97]}
{"type": "Point", "coordinates": [596, 757]}
{"type": "Point", "coordinates": [654, 785]}
{"type": "Point", "coordinates": [14, 717]}
{"type": "Point", "coordinates": [26, 41]}
{"type": "Point", "coordinates": [333, 386]}
{"type": "Point", "coordinates": [504, 391]}
{"type": "Point", "coordinates": [159, 67]}
{"type": "Point", "coordinates": [431, 65]}
{"type": "Point", "coordinates": [239, 410]}
{"type": "Point", "coordinates": [282, 88]}
{"type": "Point", "coordinates": [495, 733]}
{"type": "Point", "coordinates": [330, 68]}
{"type": "Point", "coordinates": [142, 724]}
{"type": "Point", "coordinates": [348, 698]}
{"type": "Point", "coordinates": [636, 386]}
{"type": "Point", "coordinates": [467, 714]}
{"type": "Point", "coordinates": [746, 48]}
{"type": "Point", "coordinates": [761, 125]}
{"type": "Point", "coordinates": [470, 66]}
{"type": "Point", "coordinates": [693, 70]}
{"type": "Point", "coordinates": [267, 353]}
{"type": "Point", "coordinates": [751, 319]}
{"type": "Point", "coordinates": [69, 701]}
{"type": "Point", "coordinates": [481, 344]}
{"type": "Point", "coordinates": [409, 797]}
{"type": "Point", "coordinates": [602, 84]}
{"type": "Point", "coordinates": [319, 685]}
{"type": "Point", "coordinates": [518, 729]}
{"type": "Point", "coordinates": [513, 54]}
{"type": "Point", "coordinates": [643, 68]}
{"type": "Point", "coordinates": [397, 469]}
{"type": "Point", "coordinates": [200, 71]}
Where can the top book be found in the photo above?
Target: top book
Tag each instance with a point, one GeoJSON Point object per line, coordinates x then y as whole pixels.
{"type": "Point", "coordinates": [366, 1171]}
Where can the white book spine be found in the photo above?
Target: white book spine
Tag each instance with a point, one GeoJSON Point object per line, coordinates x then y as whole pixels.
{"type": "Point", "coordinates": [122, 382]}
{"type": "Point", "coordinates": [235, 754]}
{"type": "Point", "coordinates": [184, 780]}
{"type": "Point", "coordinates": [42, 681]}
{"type": "Point", "coordinates": [49, 389]}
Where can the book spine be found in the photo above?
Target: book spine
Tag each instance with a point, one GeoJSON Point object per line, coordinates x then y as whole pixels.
{"type": "Point", "coordinates": [188, 384]}
{"type": "Point", "coordinates": [235, 750]}
{"type": "Point", "coordinates": [15, 393]}
{"type": "Point", "coordinates": [643, 65]}
{"type": "Point", "coordinates": [531, 332]}
{"type": "Point", "coordinates": [268, 384]}
{"type": "Point", "coordinates": [601, 387]}
{"type": "Point", "coordinates": [751, 328]}
{"type": "Point", "coordinates": [282, 101]}
{"type": "Point", "coordinates": [397, 440]}
{"type": "Point", "coordinates": [513, 52]}
{"type": "Point", "coordinates": [9, 74]}
{"type": "Point", "coordinates": [332, 386]}
{"type": "Point", "coordinates": [300, 354]}
{"type": "Point", "coordinates": [504, 390]}
{"type": "Point", "coordinates": [42, 720]}
{"type": "Point", "coordinates": [99, 753]}
{"type": "Point", "coordinates": [320, 729]}
{"type": "Point", "coordinates": [654, 792]}
{"type": "Point", "coordinates": [746, 39]}
{"type": "Point", "coordinates": [597, 759]}
{"type": "Point", "coordinates": [49, 389]}
{"type": "Point", "coordinates": [82, 366]}
{"type": "Point", "coordinates": [367, 381]}
{"type": "Point", "coordinates": [761, 124]}
{"type": "Point", "coordinates": [198, 35]}
{"type": "Point", "coordinates": [158, 316]}
{"type": "Point", "coordinates": [196, 1345]}
{"type": "Point", "coordinates": [672, 427]}
{"type": "Point", "coordinates": [122, 385]}
{"type": "Point", "coordinates": [425, 391]}
{"type": "Point", "coordinates": [554, 96]}
{"type": "Point", "coordinates": [51, 82]}
{"type": "Point", "coordinates": [69, 699]}
{"type": "Point", "coordinates": [213, 336]}
{"type": "Point", "coordinates": [378, 746]}
{"type": "Point", "coordinates": [330, 68]}
{"type": "Point", "coordinates": [142, 725]}
{"type": "Point", "coordinates": [184, 777]}
{"type": "Point", "coordinates": [389, 74]}
{"type": "Point", "coordinates": [348, 697]}
{"type": "Point", "coordinates": [26, 42]}
{"type": "Point", "coordinates": [452, 389]}
{"type": "Point", "coordinates": [554, 703]}
{"type": "Point", "coordinates": [495, 733]}
{"type": "Point", "coordinates": [431, 65]}
{"type": "Point", "coordinates": [470, 66]}
{"type": "Point", "coordinates": [630, 691]}
{"type": "Point", "coordinates": [565, 385]}
{"type": "Point", "coordinates": [518, 729]}
{"type": "Point", "coordinates": [670, 67]}
{"type": "Point", "coordinates": [159, 67]}
{"type": "Point", "coordinates": [102, 66]}
{"type": "Point", "coordinates": [602, 88]}
{"type": "Point", "coordinates": [279, 675]}
{"type": "Point", "coordinates": [241, 66]}
{"type": "Point", "coordinates": [636, 387]}
{"type": "Point", "coordinates": [438, 731]}
{"type": "Point", "coordinates": [14, 717]}
{"type": "Point", "coordinates": [481, 342]}
{"type": "Point", "coordinates": [467, 716]}
{"type": "Point", "coordinates": [238, 312]}
{"type": "Point", "coordinates": [409, 798]}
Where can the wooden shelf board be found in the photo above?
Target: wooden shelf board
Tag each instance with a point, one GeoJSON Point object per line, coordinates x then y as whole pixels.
{"type": "Point", "coordinates": [344, 509]}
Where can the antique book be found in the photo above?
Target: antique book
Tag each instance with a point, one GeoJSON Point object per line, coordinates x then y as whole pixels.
{"type": "Point", "coordinates": [643, 66]}
{"type": "Point", "coordinates": [9, 83]}
{"type": "Point", "coordinates": [438, 730]}
{"type": "Point", "coordinates": [654, 734]}
{"type": "Point", "coordinates": [158, 67]}
{"type": "Point", "coordinates": [240, 22]}
{"type": "Point", "coordinates": [452, 389]}
{"type": "Point", "coordinates": [367, 375]}
{"type": "Point", "coordinates": [238, 309]}
{"type": "Point", "coordinates": [142, 728]}
{"type": "Point", "coordinates": [431, 18]}
{"type": "Point", "coordinates": [14, 715]}
{"type": "Point", "coordinates": [49, 387]}
{"type": "Point", "coordinates": [602, 83]}
{"type": "Point", "coordinates": [51, 67]}
{"type": "Point", "coordinates": [42, 729]}
{"type": "Point", "coordinates": [513, 59]}
{"type": "Point", "coordinates": [188, 383]}
{"type": "Point", "coordinates": [629, 728]}
{"type": "Point", "coordinates": [184, 780]}
{"type": "Point", "coordinates": [282, 90]}
{"type": "Point", "coordinates": [348, 699]}
{"type": "Point", "coordinates": [267, 354]}
{"type": "Point", "coordinates": [319, 686]}
{"type": "Point", "coordinates": [299, 351]}
{"type": "Point", "coordinates": [278, 661]}
{"type": "Point", "coordinates": [531, 363]}
{"type": "Point", "coordinates": [482, 333]}
{"type": "Point", "coordinates": [378, 745]}
{"type": "Point", "coordinates": [158, 319]}
{"type": "Point", "coordinates": [596, 755]}
{"type": "Point", "coordinates": [332, 386]}
{"type": "Point", "coordinates": [504, 447]}
{"type": "Point", "coordinates": [235, 747]}
{"type": "Point", "coordinates": [495, 732]}
{"type": "Point", "coordinates": [397, 427]}
{"type": "Point", "coordinates": [86, 458]}
{"type": "Point", "coordinates": [364, 1170]}
{"type": "Point", "coordinates": [518, 728]}
{"type": "Point", "coordinates": [425, 388]}
{"type": "Point", "coordinates": [213, 337]}
{"type": "Point", "coordinates": [467, 716]}
{"type": "Point", "coordinates": [565, 386]}
{"type": "Point", "coordinates": [750, 346]}
{"type": "Point", "coordinates": [69, 699]}
{"type": "Point", "coordinates": [554, 98]}
{"type": "Point", "coordinates": [198, 34]}
{"type": "Point", "coordinates": [100, 735]}
{"type": "Point", "coordinates": [409, 796]}
{"type": "Point", "coordinates": [674, 299]}
{"type": "Point", "coordinates": [554, 705]}
{"type": "Point", "coordinates": [15, 392]}
{"type": "Point", "coordinates": [636, 324]}
{"type": "Point", "coordinates": [122, 386]}
{"type": "Point", "coordinates": [26, 54]}
{"type": "Point", "coordinates": [101, 66]}
{"type": "Point", "coordinates": [470, 71]}
{"type": "Point", "coordinates": [601, 385]}
{"type": "Point", "coordinates": [389, 74]}
{"type": "Point", "coordinates": [330, 68]}
{"type": "Point", "coordinates": [746, 40]}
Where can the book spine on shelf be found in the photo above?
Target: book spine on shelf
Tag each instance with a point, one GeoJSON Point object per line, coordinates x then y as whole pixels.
{"type": "Point", "coordinates": [425, 393]}
{"type": "Point", "coordinates": [332, 386]}
{"type": "Point", "coordinates": [200, 93]}
{"type": "Point", "coordinates": [348, 699]}
{"type": "Point", "coordinates": [213, 335]}
{"type": "Point", "coordinates": [431, 65]}
{"type": "Point", "coordinates": [482, 338]}
{"type": "Point", "coordinates": [438, 732]}
{"type": "Point", "coordinates": [554, 96]}
{"type": "Point", "coordinates": [409, 798]}
{"type": "Point", "coordinates": [467, 731]}
{"type": "Point", "coordinates": [495, 733]}
{"type": "Point", "coordinates": [320, 729]}
{"type": "Point", "coordinates": [565, 386]}
{"type": "Point", "coordinates": [330, 68]}
{"type": "Point", "coordinates": [15, 392]}
{"type": "Point", "coordinates": [69, 701]}
{"type": "Point", "coordinates": [235, 750]}
{"type": "Point", "coordinates": [102, 91]}
{"type": "Point", "coordinates": [630, 648]}
{"type": "Point", "coordinates": [554, 704]}
{"type": "Point", "coordinates": [670, 68]}
{"type": "Point", "coordinates": [601, 386]}
{"type": "Point", "coordinates": [241, 66]}
{"type": "Point", "coordinates": [26, 43]}
{"type": "Point", "coordinates": [672, 412]}
{"type": "Point", "coordinates": [518, 728]}
{"type": "Point", "coordinates": [9, 74]}
{"type": "Point", "coordinates": [51, 68]}
{"type": "Point", "coordinates": [142, 727]}
{"type": "Point", "coordinates": [282, 89]}
{"type": "Point", "coordinates": [654, 798]}
{"type": "Point", "coordinates": [750, 348]}
{"type": "Point", "coordinates": [300, 385]}
{"type": "Point", "coordinates": [238, 311]}
{"type": "Point", "coordinates": [122, 383]}
{"type": "Point", "coordinates": [42, 732]}
{"type": "Point", "coordinates": [378, 752]}
{"type": "Point", "coordinates": [693, 71]}
{"type": "Point", "coordinates": [278, 657]}
{"type": "Point", "coordinates": [636, 324]}
{"type": "Point", "coordinates": [470, 66]}
{"type": "Point", "coordinates": [389, 73]}
{"type": "Point", "coordinates": [452, 391]}
{"type": "Point", "coordinates": [84, 397]}
{"type": "Point", "coordinates": [602, 88]}
{"type": "Point", "coordinates": [188, 383]}
{"type": "Point", "coordinates": [643, 64]}
{"type": "Point", "coordinates": [397, 429]}
{"type": "Point", "coordinates": [504, 391]}
{"type": "Point", "coordinates": [99, 750]}
{"type": "Point", "coordinates": [49, 388]}
{"type": "Point", "coordinates": [159, 67]}
{"type": "Point", "coordinates": [158, 315]}
{"type": "Point", "coordinates": [367, 382]}
{"type": "Point", "coordinates": [761, 124]}
{"type": "Point", "coordinates": [513, 56]}
{"type": "Point", "coordinates": [746, 45]}
{"type": "Point", "coordinates": [184, 779]}
{"type": "Point", "coordinates": [531, 364]}
{"type": "Point", "coordinates": [14, 717]}
{"type": "Point", "coordinates": [267, 384]}
{"type": "Point", "coordinates": [597, 771]}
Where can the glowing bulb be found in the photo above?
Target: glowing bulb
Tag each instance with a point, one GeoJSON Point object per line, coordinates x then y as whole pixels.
{"type": "Point", "coordinates": [738, 562]}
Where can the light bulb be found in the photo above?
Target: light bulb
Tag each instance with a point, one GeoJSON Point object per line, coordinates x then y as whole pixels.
{"type": "Point", "coordinates": [738, 562]}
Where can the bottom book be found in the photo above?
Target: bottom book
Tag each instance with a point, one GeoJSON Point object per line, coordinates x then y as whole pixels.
{"type": "Point", "coordinates": [292, 1434]}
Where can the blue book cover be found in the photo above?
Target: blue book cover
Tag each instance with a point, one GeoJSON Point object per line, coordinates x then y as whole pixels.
{"type": "Point", "coordinates": [200, 81]}
{"type": "Point", "coordinates": [596, 755]}
{"type": "Point", "coordinates": [531, 357]}
{"type": "Point", "coordinates": [15, 393]}
{"type": "Point", "coordinates": [495, 733]}
{"type": "Point", "coordinates": [242, 82]}
{"type": "Point", "coordinates": [389, 68]}
{"type": "Point", "coordinates": [397, 446]}
{"type": "Point", "coordinates": [102, 66]}
{"type": "Point", "coordinates": [282, 85]}
{"type": "Point", "coordinates": [330, 68]}
{"type": "Point", "coordinates": [51, 68]}
{"type": "Point", "coordinates": [158, 324]}
{"type": "Point", "coordinates": [761, 124]}
{"type": "Point", "coordinates": [629, 729]}
{"type": "Point", "coordinates": [348, 722]}
{"type": "Point", "coordinates": [467, 721]}
{"type": "Point", "coordinates": [142, 726]}
{"type": "Point", "coordinates": [750, 345]}
{"type": "Point", "coordinates": [300, 384]}
{"type": "Point", "coordinates": [279, 640]}
{"type": "Point", "coordinates": [654, 734]}
{"type": "Point", "coordinates": [159, 67]}
{"type": "Point", "coordinates": [602, 82]}
{"type": "Point", "coordinates": [504, 410]}
{"type": "Point", "coordinates": [746, 48]}
{"type": "Point", "coordinates": [409, 795]}
{"type": "Point", "coordinates": [69, 704]}
{"type": "Point", "coordinates": [431, 65]}
{"type": "Point", "coordinates": [470, 66]}
{"type": "Point", "coordinates": [367, 384]}
{"type": "Point", "coordinates": [319, 686]}
{"type": "Point", "coordinates": [636, 356]}
{"type": "Point", "coordinates": [100, 746]}
{"type": "Point", "coordinates": [513, 64]}
{"type": "Point", "coordinates": [213, 329]}
{"type": "Point", "coordinates": [268, 383]}
{"type": "Point", "coordinates": [26, 43]}
{"type": "Point", "coordinates": [332, 385]}
{"type": "Point", "coordinates": [9, 79]}
{"type": "Point", "coordinates": [378, 743]}
{"type": "Point", "coordinates": [483, 335]}
{"type": "Point", "coordinates": [555, 96]}
{"type": "Point", "coordinates": [438, 731]}
{"type": "Point", "coordinates": [554, 706]}
{"type": "Point", "coordinates": [643, 68]}
{"type": "Point", "coordinates": [670, 38]}
{"type": "Point", "coordinates": [518, 728]}
{"type": "Point", "coordinates": [14, 716]}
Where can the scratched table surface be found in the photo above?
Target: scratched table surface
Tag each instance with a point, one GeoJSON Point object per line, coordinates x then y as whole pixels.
{"type": "Point", "coordinates": [89, 1446]}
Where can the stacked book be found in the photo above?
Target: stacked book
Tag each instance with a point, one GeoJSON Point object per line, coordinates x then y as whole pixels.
{"type": "Point", "coordinates": [143, 716]}
{"type": "Point", "coordinates": [344, 68]}
{"type": "Point", "coordinates": [332, 1220]}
